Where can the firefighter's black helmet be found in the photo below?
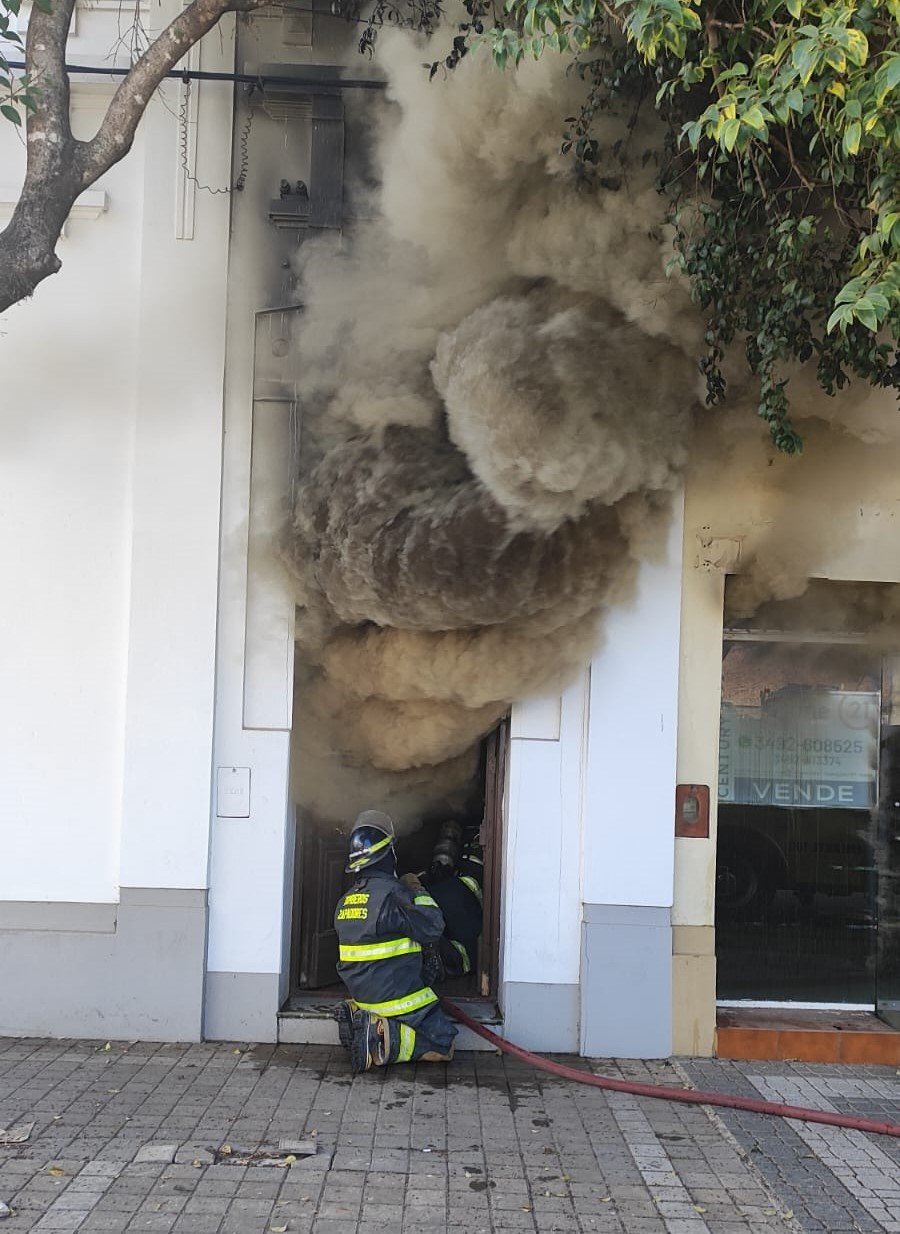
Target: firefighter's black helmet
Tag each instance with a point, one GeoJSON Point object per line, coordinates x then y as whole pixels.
{"type": "Point", "coordinates": [371, 839]}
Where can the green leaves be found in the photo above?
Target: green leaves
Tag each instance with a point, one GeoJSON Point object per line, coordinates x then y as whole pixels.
{"type": "Point", "coordinates": [852, 137]}
{"type": "Point", "coordinates": [786, 115]}
{"type": "Point", "coordinates": [728, 133]}
{"type": "Point", "coordinates": [805, 56]}
{"type": "Point", "coordinates": [16, 94]}
{"type": "Point", "coordinates": [661, 26]}
{"type": "Point", "coordinates": [656, 27]}
{"type": "Point", "coordinates": [871, 298]}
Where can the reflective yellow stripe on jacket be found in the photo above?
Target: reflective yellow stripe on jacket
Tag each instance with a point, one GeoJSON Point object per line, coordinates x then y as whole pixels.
{"type": "Point", "coordinates": [425, 899]}
{"type": "Point", "coordinates": [472, 884]}
{"type": "Point", "coordinates": [403, 1006]}
{"type": "Point", "coordinates": [352, 953]}
{"type": "Point", "coordinates": [467, 967]}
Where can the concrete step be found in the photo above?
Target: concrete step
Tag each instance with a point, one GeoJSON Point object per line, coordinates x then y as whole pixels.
{"type": "Point", "coordinates": [307, 1020]}
{"type": "Point", "coordinates": [805, 1035]}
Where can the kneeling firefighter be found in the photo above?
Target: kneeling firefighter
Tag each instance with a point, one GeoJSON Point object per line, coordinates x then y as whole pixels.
{"type": "Point", "coordinates": [382, 923]}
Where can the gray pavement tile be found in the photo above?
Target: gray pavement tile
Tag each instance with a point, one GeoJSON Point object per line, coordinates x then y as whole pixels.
{"type": "Point", "coordinates": [526, 1135]}
{"type": "Point", "coordinates": [101, 1223]}
{"type": "Point", "coordinates": [207, 1206]}
{"type": "Point", "coordinates": [389, 1214]}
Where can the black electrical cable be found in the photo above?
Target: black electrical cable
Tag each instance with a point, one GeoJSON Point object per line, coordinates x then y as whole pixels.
{"type": "Point", "coordinates": [318, 84]}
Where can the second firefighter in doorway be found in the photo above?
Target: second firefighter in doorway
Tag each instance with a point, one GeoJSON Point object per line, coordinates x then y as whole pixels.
{"type": "Point", "coordinates": [382, 924]}
{"type": "Point", "coordinates": [454, 879]}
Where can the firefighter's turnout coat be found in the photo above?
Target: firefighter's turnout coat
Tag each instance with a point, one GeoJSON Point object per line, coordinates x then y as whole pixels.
{"type": "Point", "coordinates": [459, 898]}
{"type": "Point", "coordinates": [381, 926]}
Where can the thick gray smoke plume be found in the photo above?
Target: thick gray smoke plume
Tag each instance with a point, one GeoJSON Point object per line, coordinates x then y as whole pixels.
{"type": "Point", "coordinates": [402, 535]}
{"type": "Point", "coordinates": [553, 413]}
{"type": "Point", "coordinates": [498, 385]}
{"type": "Point", "coordinates": [817, 514]}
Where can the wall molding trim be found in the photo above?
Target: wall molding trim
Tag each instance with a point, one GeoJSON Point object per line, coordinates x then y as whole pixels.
{"type": "Point", "coordinates": [90, 205]}
{"type": "Point", "coordinates": [57, 917]}
{"type": "Point", "coordinates": [132, 970]}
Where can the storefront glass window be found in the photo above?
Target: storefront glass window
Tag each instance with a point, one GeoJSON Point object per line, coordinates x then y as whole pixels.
{"type": "Point", "coordinates": [796, 884]}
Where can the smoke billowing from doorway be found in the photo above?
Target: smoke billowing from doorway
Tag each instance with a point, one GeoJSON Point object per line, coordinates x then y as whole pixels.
{"type": "Point", "coordinates": [498, 385]}
{"type": "Point", "coordinates": [826, 513]}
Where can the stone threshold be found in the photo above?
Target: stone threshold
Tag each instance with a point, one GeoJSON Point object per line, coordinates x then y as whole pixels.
{"type": "Point", "coordinates": [306, 1019]}
{"type": "Point", "coordinates": [814, 1036]}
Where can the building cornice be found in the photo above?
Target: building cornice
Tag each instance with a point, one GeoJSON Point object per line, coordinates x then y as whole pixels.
{"type": "Point", "coordinates": [90, 205]}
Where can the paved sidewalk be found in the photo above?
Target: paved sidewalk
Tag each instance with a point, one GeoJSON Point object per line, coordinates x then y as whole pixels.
{"type": "Point", "coordinates": [129, 1137]}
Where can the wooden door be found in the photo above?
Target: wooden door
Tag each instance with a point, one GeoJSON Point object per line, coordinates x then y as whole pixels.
{"type": "Point", "coordinates": [496, 756]}
{"type": "Point", "coordinates": [321, 857]}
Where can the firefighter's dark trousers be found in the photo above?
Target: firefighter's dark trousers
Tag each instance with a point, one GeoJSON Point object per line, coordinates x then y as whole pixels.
{"type": "Point", "coordinates": [375, 1041]}
{"type": "Point", "coordinates": [426, 1036]}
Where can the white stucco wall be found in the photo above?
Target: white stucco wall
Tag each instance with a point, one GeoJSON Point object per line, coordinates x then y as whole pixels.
{"type": "Point", "coordinates": [251, 857]}
{"type": "Point", "coordinates": [541, 928]}
{"type": "Point", "coordinates": [111, 425]}
{"type": "Point", "coordinates": [629, 811]}
{"type": "Point", "coordinates": [67, 420]}
{"type": "Point", "coordinates": [176, 500]}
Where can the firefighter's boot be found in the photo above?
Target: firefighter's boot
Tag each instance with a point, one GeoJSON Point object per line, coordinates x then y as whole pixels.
{"type": "Point", "coordinates": [369, 1042]}
{"type": "Point", "coordinates": [344, 1013]}
{"type": "Point", "coordinates": [435, 1056]}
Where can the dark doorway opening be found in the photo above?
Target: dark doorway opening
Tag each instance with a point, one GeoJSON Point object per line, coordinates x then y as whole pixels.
{"type": "Point", "coordinates": [319, 881]}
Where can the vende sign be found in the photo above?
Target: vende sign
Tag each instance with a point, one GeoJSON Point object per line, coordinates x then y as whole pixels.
{"type": "Point", "coordinates": [804, 747]}
{"type": "Point", "coordinates": [801, 793]}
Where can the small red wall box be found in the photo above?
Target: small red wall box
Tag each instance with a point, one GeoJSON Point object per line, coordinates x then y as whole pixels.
{"type": "Point", "coordinates": [692, 811]}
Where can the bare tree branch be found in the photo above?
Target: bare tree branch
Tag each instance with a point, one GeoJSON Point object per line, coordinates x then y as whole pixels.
{"type": "Point", "coordinates": [45, 54]}
{"type": "Point", "coordinates": [59, 167]}
{"type": "Point", "coordinates": [115, 136]}
{"type": "Point", "coordinates": [28, 243]}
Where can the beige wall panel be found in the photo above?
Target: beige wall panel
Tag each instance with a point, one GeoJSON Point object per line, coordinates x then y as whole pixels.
{"type": "Point", "coordinates": [693, 1004]}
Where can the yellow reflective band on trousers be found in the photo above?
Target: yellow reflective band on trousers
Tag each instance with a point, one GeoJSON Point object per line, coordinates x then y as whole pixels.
{"type": "Point", "coordinates": [356, 953]}
{"type": "Point", "coordinates": [472, 884]}
{"type": "Point", "coordinates": [402, 1006]}
{"type": "Point", "coordinates": [465, 955]}
{"type": "Point", "coordinates": [407, 1042]}
{"type": "Point", "coordinates": [425, 900]}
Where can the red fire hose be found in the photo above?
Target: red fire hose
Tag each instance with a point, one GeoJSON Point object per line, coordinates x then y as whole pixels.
{"type": "Point", "coordinates": [664, 1093]}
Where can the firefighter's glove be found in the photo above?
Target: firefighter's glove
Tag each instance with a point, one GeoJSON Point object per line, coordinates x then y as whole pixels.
{"type": "Point", "coordinates": [413, 882]}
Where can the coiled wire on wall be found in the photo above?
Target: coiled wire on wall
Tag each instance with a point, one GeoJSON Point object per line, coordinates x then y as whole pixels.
{"type": "Point", "coordinates": [184, 143]}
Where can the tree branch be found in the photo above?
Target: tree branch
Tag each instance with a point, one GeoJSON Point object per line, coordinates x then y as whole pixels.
{"type": "Point", "coordinates": [712, 43]}
{"type": "Point", "coordinates": [59, 167]}
{"type": "Point", "coordinates": [28, 243]}
{"type": "Point", "coordinates": [611, 13]}
{"type": "Point", "coordinates": [786, 147]}
{"type": "Point", "coordinates": [48, 129]}
{"type": "Point", "coordinates": [114, 138]}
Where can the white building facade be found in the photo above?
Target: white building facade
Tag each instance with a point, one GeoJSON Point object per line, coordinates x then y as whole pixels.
{"type": "Point", "coordinates": [148, 872]}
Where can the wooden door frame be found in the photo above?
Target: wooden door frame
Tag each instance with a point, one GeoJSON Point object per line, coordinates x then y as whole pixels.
{"type": "Point", "coordinates": [492, 836]}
